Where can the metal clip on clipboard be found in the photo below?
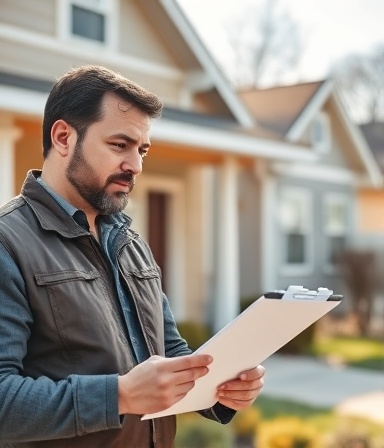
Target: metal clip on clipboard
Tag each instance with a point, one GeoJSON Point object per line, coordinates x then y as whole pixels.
{"type": "Point", "coordinates": [300, 293]}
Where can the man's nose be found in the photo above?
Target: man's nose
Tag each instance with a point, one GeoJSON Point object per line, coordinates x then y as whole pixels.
{"type": "Point", "coordinates": [133, 163]}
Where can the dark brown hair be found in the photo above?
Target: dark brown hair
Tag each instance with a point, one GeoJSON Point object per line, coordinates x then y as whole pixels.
{"type": "Point", "coordinates": [76, 98]}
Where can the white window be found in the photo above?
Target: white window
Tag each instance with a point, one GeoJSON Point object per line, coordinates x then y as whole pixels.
{"type": "Point", "coordinates": [296, 223]}
{"type": "Point", "coordinates": [320, 133]}
{"type": "Point", "coordinates": [335, 227]}
{"type": "Point", "coordinates": [92, 21]}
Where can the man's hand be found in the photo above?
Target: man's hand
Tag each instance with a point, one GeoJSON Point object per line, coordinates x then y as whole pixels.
{"type": "Point", "coordinates": [241, 392]}
{"type": "Point", "coordinates": [158, 383]}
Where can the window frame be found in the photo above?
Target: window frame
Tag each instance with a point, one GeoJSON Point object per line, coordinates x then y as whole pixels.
{"type": "Point", "coordinates": [306, 197]}
{"type": "Point", "coordinates": [332, 199]}
{"type": "Point", "coordinates": [322, 146]}
{"type": "Point", "coordinates": [108, 8]}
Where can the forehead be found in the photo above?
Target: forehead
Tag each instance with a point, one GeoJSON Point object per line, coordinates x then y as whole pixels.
{"type": "Point", "coordinates": [117, 111]}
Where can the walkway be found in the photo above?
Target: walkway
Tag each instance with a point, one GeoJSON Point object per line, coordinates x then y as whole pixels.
{"type": "Point", "coordinates": [314, 382]}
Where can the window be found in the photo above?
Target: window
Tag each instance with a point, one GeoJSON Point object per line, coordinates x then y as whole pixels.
{"type": "Point", "coordinates": [335, 227]}
{"type": "Point", "coordinates": [296, 219]}
{"type": "Point", "coordinates": [320, 134]}
{"type": "Point", "coordinates": [89, 20]}
{"type": "Point", "coordinates": [88, 23]}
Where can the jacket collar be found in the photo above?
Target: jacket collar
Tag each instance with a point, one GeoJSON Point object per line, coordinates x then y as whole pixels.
{"type": "Point", "coordinates": [50, 214]}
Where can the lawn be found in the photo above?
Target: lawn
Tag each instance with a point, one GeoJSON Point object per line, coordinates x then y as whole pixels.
{"type": "Point", "coordinates": [276, 407]}
{"type": "Point", "coordinates": [353, 351]}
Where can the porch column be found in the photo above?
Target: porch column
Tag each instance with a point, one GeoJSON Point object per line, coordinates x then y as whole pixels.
{"type": "Point", "coordinates": [8, 136]}
{"type": "Point", "coordinates": [226, 305]}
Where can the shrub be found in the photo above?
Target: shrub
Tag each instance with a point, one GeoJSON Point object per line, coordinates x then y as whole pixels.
{"type": "Point", "coordinates": [194, 333]}
{"type": "Point", "coordinates": [195, 431]}
{"type": "Point", "coordinates": [245, 422]}
{"type": "Point", "coordinates": [302, 343]}
{"type": "Point", "coordinates": [287, 432]}
{"type": "Point", "coordinates": [244, 425]}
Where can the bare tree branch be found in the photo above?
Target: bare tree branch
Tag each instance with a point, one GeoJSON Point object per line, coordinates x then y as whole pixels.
{"type": "Point", "coordinates": [266, 43]}
{"type": "Point", "coordinates": [360, 83]}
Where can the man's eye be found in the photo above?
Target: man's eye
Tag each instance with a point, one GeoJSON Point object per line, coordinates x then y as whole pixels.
{"type": "Point", "coordinates": [119, 145]}
{"type": "Point", "coordinates": [143, 153]}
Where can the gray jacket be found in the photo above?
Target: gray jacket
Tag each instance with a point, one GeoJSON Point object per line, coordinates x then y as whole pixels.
{"type": "Point", "coordinates": [75, 342]}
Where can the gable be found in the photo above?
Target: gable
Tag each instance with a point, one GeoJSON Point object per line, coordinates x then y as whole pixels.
{"type": "Point", "coordinates": [278, 108]}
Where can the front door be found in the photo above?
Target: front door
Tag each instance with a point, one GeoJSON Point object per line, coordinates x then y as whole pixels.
{"type": "Point", "coordinates": [158, 204]}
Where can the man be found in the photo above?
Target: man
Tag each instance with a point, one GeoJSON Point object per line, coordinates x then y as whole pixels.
{"type": "Point", "coordinates": [88, 342]}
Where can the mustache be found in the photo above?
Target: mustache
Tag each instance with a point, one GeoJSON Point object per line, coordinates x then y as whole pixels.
{"type": "Point", "coordinates": [128, 178]}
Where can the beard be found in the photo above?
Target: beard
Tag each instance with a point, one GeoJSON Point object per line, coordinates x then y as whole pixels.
{"type": "Point", "coordinates": [84, 178]}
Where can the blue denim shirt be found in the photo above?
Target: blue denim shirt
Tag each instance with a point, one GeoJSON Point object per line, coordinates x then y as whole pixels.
{"type": "Point", "coordinates": [78, 404]}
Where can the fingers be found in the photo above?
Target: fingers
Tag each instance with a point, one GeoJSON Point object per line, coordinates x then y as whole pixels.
{"type": "Point", "coordinates": [190, 362]}
{"type": "Point", "coordinates": [242, 391]}
{"type": "Point", "coordinates": [159, 382]}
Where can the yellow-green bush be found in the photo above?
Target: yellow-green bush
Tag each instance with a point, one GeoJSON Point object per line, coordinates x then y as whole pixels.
{"type": "Point", "coordinates": [246, 422]}
{"type": "Point", "coordinates": [287, 432]}
{"type": "Point", "coordinates": [194, 431]}
{"type": "Point", "coordinates": [195, 333]}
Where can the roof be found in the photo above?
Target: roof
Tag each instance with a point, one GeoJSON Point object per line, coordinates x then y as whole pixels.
{"type": "Point", "coordinates": [278, 108]}
{"type": "Point", "coordinates": [374, 134]}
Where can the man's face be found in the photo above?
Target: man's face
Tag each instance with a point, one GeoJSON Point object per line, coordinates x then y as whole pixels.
{"type": "Point", "coordinates": [104, 166]}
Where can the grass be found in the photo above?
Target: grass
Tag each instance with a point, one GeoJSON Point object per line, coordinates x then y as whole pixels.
{"type": "Point", "coordinates": [353, 351]}
{"type": "Point", "coordinates": [276, 407]}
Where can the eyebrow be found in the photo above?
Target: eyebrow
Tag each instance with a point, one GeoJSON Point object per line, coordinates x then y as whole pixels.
{"type": "Point", "coordinates": [129, 139]}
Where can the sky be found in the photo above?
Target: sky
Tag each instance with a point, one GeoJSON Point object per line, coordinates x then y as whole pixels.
{"type": "Point", "coordinates": [331, 29]}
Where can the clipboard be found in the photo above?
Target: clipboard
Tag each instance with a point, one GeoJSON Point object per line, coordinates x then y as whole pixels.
{"type": "Point", "coordinates": [255, 334]}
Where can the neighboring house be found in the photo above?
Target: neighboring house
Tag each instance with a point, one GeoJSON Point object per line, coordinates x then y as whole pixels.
{"type": "Point", "coordinates": [314, 215]}
{"type": "Point", "coordinates": [371, 200]}
{"type": "Point", "coordinates": [206, 201]}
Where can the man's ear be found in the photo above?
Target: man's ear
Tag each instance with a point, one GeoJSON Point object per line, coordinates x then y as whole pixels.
{"type": "Point", "coordinates": [63, 136]}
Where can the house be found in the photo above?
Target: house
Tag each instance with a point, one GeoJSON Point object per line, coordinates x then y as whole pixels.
{"type": "Point", "coordinates": [206, 200]}
{"type": "Point", "coordinates": [314, 214]}
{"type": "Point", "coordinates": [371, 200]}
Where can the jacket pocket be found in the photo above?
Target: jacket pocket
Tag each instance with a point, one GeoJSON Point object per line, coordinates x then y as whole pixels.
{"type": "Point", "coordinates": [64, 276]}
{"type": "Point", "coordinates": [77, 316]}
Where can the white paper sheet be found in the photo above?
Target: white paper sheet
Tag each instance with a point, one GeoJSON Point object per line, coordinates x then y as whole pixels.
{"type": "Point", "coordinates": [247, 341]}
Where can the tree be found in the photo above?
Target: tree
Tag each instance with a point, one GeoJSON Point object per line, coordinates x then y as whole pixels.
{"type": "Point", "coordinates": [266, 43]}
{"type": "Point", "coordinates": [360, 274]}
{"type": "Point", "coordinates": [360, 82]}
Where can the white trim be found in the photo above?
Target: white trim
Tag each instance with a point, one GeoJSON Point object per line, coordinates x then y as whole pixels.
{"type": "Point", "coordinates": [175, 232]}
{"type": "Point", "coordinates": [311, 109]}
{"type": "Point", "coordinates": [315, 172]}
{"type": "Point", "coordinates": [226, 141]}
{"type": "Point", "coordinates": [22, 101]}
{"type": "Point", "coordinates": [227, 288]}
{"type": "Point", "coordinates": [8, 136]}
{"type": "Point", "coordinates": [103, 56]}
{"type": "Point", "coordinates": [306, 268]}
{"type": "Point", "coordinates": [268, 227]}
{"type": "Point", "coordinates": [222, 84]}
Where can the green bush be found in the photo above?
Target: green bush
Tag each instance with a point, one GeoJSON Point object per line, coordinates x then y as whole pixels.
{"type": "Point", "coordinates": [302, 343]}
{"type": "Point", "coordinates": [195, 333]}
{"type": "Point", "coordinates": [194, 431]}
